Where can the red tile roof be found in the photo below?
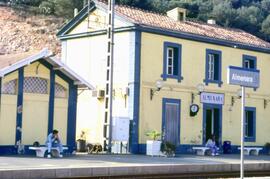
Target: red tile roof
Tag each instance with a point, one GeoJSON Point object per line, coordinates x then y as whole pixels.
{"type": "Point", "coordinates": [147, 18]}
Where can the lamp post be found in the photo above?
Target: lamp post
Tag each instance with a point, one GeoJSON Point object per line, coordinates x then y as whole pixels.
{"type": "Point", "coordinates": [109, 79]}
{"type": "Point", "coordinates": [249, 78]}
{"type": "Point", "coordinates": [242, 131]}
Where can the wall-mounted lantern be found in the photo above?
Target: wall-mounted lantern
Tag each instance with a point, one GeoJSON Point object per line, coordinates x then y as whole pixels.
{"type": "Point", "coordinates": [265, 103]}
{"type": "Point", "coordinates": [159, 86]}
{"type": "Point", "coordinates": [200, 87]}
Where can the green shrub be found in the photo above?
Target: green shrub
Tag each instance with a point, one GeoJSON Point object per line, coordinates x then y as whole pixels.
{"type": "Point", "coordinates": [154, 135]}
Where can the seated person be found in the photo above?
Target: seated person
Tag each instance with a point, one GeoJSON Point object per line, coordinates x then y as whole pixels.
{"type": "Point", "coordinates": [211, 143]}
{"type": "Point", "coordinates": [53, 140]}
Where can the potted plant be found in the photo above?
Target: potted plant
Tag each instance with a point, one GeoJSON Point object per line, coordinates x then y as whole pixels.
{"type": "Point", "coordinates": [168, 149]}
{"type": "Point", "coordinates": [267, 146]}
{"type": "Point", "coordinates": [81, 142]}
{"type": "Point", "coordinates": [153, 145]}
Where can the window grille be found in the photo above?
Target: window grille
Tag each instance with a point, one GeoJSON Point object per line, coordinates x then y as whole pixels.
{"type": "Point", "coordinates": [35, 85]}
{"type": "Point", "coordinates": [60, 91]}
{"type": "Point", "coordinates": [9, 87]}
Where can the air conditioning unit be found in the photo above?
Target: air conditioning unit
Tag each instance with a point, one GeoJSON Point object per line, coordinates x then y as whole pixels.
{"type": "Point", "coordinates": [100, 94]}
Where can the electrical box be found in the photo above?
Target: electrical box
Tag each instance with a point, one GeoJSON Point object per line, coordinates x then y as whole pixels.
{"type": "Point", "coordinates": [120, 129]}
{"type": "Point", "coordinates": [98, 94]}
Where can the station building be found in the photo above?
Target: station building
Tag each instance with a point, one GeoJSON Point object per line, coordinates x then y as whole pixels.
{"type": "Point", "coordinates": [38, 94]}
{"type": "Point", "coordinates": [164, 66]}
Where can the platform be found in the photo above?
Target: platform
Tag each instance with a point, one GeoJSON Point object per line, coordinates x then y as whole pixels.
{"type": "Point", "coordinates": [125, 165]}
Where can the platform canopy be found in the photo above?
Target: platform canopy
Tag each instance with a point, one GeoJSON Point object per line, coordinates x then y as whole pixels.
{"type": "Point", "coordinates": [12, 62]}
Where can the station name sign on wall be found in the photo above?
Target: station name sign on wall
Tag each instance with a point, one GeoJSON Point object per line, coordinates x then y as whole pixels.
{"type": "Point", "coordinates": [243, 77]}
{"type": "Point", "coordinates": [212, 98]}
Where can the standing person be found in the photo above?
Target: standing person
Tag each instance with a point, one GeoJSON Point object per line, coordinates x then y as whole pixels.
{"type": "Point", "coordinates": [53, 140]}
{"type": "Point", "coordinates": [211, 143]}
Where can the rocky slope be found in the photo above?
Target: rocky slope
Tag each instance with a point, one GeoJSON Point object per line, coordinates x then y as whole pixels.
{"type": "Point", "coordinates": [21, 31]}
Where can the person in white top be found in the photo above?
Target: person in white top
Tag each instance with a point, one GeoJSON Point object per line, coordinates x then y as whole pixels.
{"type": "Point", "coordinates": [211, 143]}
{"type": "Point", "coordinates": [53, 140]}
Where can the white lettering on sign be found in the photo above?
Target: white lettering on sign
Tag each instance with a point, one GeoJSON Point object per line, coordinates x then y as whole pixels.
{"type": "Point", "coordinates": [242, 78]}
{"type": "Point", "coordinates": [212, 98]}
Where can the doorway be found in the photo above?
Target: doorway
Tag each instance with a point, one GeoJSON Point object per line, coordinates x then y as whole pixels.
{"type": "Point", "coordinates": [171, 121]}
{"type": "Point", "coordinates": [212, 123]}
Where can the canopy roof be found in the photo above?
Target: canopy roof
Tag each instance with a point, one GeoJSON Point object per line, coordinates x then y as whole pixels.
{"type": "Point", "coordinates": [10, 63]}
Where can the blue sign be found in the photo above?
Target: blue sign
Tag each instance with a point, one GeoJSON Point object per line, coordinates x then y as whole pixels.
{"type": "Point", "coordinates": [243, 77]}
{"type": "Point", "coordinates": [212, 98]}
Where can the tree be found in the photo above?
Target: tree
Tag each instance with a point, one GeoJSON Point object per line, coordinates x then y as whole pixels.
{"type": "Point", "coordinates": [224, 14]}
{"type": "Point", "coordinates": [266, 27]}
{"type": "Point", "coordinates": [250, 19]}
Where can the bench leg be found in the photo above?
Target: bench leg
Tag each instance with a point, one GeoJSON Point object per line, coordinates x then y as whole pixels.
{"type": "Point", "coordinates": [55, 153]}
{"type": "Point", "coordinates": [40, 153]}
{"type": "Point", "coordinates": [254, 152]}
{"type": "Point", "coordinates": [246, 152]}
{"type": "Point", "coordinates": [201, 152]}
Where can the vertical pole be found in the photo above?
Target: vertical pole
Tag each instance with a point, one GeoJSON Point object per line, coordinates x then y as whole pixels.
{"type": "Point", "coordinates": [242, 132]}
{"type": "Point", "coordinates": [109, 79]}
{"type": "Point", "coordinates": [1, 96]}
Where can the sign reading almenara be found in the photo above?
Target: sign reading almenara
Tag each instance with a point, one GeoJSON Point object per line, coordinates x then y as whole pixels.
{"type": "Point", "coordinates": [212, 98]}
{"type": "Point", "coordinates": [243, 77]}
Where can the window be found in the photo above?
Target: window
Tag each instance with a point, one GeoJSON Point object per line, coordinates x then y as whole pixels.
{"type": "Point", "coordinates": [35, 85]}
{"type": "Point", "coordinates": [172, 61]}
{"type": "Point", "coordinates": [60, 91]}
{"type": "Point", "coordinates": [213, 67]}
{"type": "Point", "coordinates": [249, 62]}
{"type": "Point", "coordinates": [9, 87]}
{"type": "Point", "coordinates": [250, 124]}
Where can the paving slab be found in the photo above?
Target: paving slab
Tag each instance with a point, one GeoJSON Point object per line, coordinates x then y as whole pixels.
{"type": "Point", "coordinates": [124, 165]}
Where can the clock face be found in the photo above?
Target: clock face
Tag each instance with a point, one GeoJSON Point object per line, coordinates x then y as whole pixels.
{"type": "Point", "coordinates": [194, 108]}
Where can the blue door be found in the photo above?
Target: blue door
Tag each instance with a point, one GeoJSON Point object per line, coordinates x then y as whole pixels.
{"type": "Point", "coordinates": [171, 121]}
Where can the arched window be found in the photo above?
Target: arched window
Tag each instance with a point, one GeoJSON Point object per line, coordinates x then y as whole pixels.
{"type": "Point", "coordinates": [60, 91]}
{"type": "Point", "coordinates": [35, 85]}
{"type": "Point", "coordinates": [9, 87]}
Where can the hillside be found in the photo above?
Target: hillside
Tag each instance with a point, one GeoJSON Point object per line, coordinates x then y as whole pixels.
{"type": "Point", "coordinates": [21, 31]}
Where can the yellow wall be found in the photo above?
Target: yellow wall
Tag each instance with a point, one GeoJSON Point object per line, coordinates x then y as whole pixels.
{"type": "Point", "coordinates": [193, 71]}
{"type": "Point", "coordinates": [61, 112]}
{"type": "Point", "coordinates": [87, 56]}
{"type": "Point", "coordinates": [8, 113]}
{"type": "Point", "coordinates": [35, 110]}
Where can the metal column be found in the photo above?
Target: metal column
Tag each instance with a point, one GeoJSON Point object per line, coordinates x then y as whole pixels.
{"type": "Point", "coordinates": [109, 79]}
{"type": "Point", "coordinates": [242, 132]}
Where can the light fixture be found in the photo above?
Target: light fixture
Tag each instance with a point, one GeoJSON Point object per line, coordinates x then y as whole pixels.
{"type": "Point", "coordinates": [200, 87]}
{"type": "Point", "coordinates": [192, 98]}
{"type": "Point", "coordinates": [239, 93]}
{"type": "Point", "coordinates": [265, 103]}
{"type": "Point", "coordinates": [232, 101]}
{"type": "Point", "coordinates": [159, 85]}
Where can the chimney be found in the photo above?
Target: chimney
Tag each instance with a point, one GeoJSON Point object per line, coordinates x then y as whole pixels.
{"type": "Point", "coordinates": [177, 14]}
{"type": "Point", "coordinates": [75, 12]}
{"type": "Point", "coordinates": [211, 21]}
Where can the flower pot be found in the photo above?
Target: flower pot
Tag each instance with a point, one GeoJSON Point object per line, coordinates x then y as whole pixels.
{"type": "Point", "coordinates": [81, 145]}
{"type": "Point", "coordinates": [153, 147]}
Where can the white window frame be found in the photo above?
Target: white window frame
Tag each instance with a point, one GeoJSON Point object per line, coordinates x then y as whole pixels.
{"type": "Point", "coordinates": [211, 67]}
{"type": "Point", "coordinates": [246, 61]}
{"type": "Point", "coordinates": [170, 58]}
